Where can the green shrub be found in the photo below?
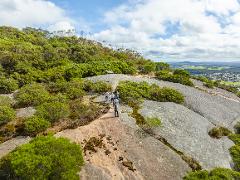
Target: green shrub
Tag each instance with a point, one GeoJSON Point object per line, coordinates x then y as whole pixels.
{"type": "Point", "coordinates": [83, 111]}
{"type": "Point", "coordinates": [228, 88]}
{"type": "Point", "coordinates": [148, 67]}
{"type": "Point", "coordinates": [6, 114]}
{"type": "Point", "coordinates": [162, 66]}
{"type": "Point", "coordinates": [6, 101]}
{"type": "Point", "coordinates": [209, 84]}
{"type": "Point", "coordinates": [235, 150]}
{"type": "Point", "coordinates": [43, 158]}
{"type": "Point", "coordinates": [56, 87]}
{"type": "Point", "coordinates": [235, 153]}
{"type": "Point", "coordinates": [53, 111]}
{"type": "Point", "coordinates": [132, 92]}
{"type": "Point", "coordinates": [235, 138]}
{"type": "Point", "coordinates": [35, 124]}
{"type": "Point", "coordinates": [178, 77]}
{"type": "Point", "coordinates": [164, 74]}
{"type": "Point", "coordinates": [201, 78]}
{"type": "Point", "coordinates": [166, 95]}
{"type": "Point", "coordinates": [88, 85]}
{"type": "Point", "coordinates": [7, 85]}
{"type": "Point", "coordinates": [32, 95]}
{"type": "Point", "coordinates": [238, 94]}
{"type": "Point", "coordinates": [218, 132]}
{"type": "Point", "coordinates": [215, 174]}
{"type": "Point", "coordinates": [153, 122]}
{"type": "Point", "coordinates": [74, 89]}
{"type": "Point", "coordinates": [181, 72]}
{"type": "Point", "coordinates": [59, 98]}
{"type": "Point", "coordinates": [96, 87]}
{"type": "Point", "coordinates": [237, 127]}
{"type": "Point", "coordinates": [74, 93]}
{"type": "Point", "coordinates": [185, 80]}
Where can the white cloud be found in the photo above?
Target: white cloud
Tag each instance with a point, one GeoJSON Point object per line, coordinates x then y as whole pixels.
{"type": "Point", "coordinates": [34, 13]}
{"type": "Point", "coordinates": [61, 25]}
{"type": "Point", "coordinates": [222, 7]}
{"type": "Point", "coordinates": [173, 29]}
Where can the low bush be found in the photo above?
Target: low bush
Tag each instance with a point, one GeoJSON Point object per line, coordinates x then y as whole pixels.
{"type": "Point", "coordinates": [6, 114]}
{"type": "Point", "coordinates": [235, 150]}
{"type": "Point", "coordinates": [148, 67]}
{"type": "Point", "coordinates": [209, 84]}
{"type": "Point", "coordinates": [43, 158]}
{"type": "Point", "coordinates": [166, 95]}
{"type": "Point", "coordinates": [181, 78]}
{"type": "Point", "coordinates": [7, 85]}
{"type": "Point", "coordinates": [217, 173]}
{"type": "Point", "coordinates": [201, 78]}
{"type": "Point", "coordinates": [218, 132]}
{"type": "Point", "coordinates": [57, 87]}
{"type": "Point", "coordinates": [6, 101]}
{"type": "Point", "coordinates": [32, 95]}
{"type": "Point", "coordinates": [238, 94]}
{"type": "Point", "coordinates": [153, 122]}
{"type": "Point", "coordinates": [34, 125]}
{"type": "Point", "coordinates": [235, 138]}
{"type": "Point", "coordinates": [228, 88]}
{"type": "Point", "coordinates": [83, 111]}
{"type": "Point", "coordinates": [162, 66]}
{"type": "Point", "coordinates": [74, 89]}
{"type": "Point", "coordinates": [237, 128]}
{"type": "Point", "coordinates": [181, 72]}
{"type": "Point", "coordinates": [96, 87]}
{"type": "Point", "coordinates": [235, 153]}
{"type": "Point", "coordinates": [53, 111]}
{"type": "Point", "coordinates": [59, 97]}
{"type": "Point", "coordinates": [132, 92]}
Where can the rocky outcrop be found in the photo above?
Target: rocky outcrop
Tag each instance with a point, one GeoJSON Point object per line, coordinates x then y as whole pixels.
{"type": "Point", "coordinates": [187, 132]}
{"type": "Point", "coordinates": [10, 145]}
{"type": "Point", "coordinates": [125, 151]}
{"type": "Point", "coordinates": [25, 112]}
{"type": "Point", "coordinates": [215, 108]}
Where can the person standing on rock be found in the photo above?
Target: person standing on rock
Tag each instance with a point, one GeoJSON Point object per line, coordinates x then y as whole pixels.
{"type": "Point", "coordinates": [107, 97]}
{"type": "Point", "coordinates": [116, 95]}
{"type": "Point", "coordinates": [112, 97]}
{"type": "Point", "coordinates": [116, 107]}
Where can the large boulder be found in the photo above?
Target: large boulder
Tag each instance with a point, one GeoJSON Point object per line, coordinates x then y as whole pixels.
{"type": "Point", "coordinates": [216, 108]}
{"type": "Point", "coordinates": [187, 131]}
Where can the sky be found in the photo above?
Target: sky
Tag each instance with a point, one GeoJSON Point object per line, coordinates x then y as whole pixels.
{"type": "Point", "coordinates": [169, 30]}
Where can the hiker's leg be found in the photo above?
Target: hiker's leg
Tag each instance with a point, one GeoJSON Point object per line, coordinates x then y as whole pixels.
{"type": "Point", "coordinates": [117, 114]}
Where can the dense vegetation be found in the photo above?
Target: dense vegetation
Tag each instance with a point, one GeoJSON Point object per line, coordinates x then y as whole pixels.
{"type": "Point", "coordinates": [211, 84]}
{"type": "Point", "coordinates": [43, 158]}
{"type": "Point", "coordinates": [133, 92]}
{"type": "Point", "coordinates": [217, 173]}
{"type": "Point", "coordinates": [6, 114]}
{"type": "Point", "coordinates": [32, 55]}
{"type": "Point", "coordinates": [235, 150]}
{"type": "Point", "coordinates": [177, 76]}
{"type": "Point", "coordinates": [218, 132]}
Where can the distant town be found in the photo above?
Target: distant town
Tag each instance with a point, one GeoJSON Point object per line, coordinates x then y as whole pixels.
{"type": "Point", "coordinates": [227, 72]}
